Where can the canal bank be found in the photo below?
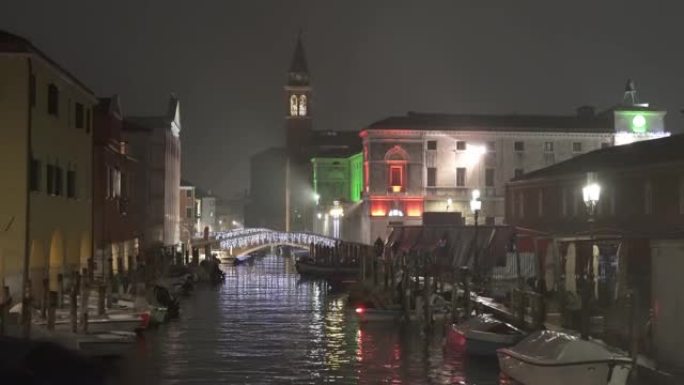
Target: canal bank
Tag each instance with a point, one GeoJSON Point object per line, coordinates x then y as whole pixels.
{"type": "Point", "coordinates": [265, 325]}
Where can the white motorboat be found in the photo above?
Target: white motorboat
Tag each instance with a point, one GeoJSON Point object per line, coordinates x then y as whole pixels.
{"type": "Point", "coordinates": [552, 357]}
{"type": "Point", "coordinates": [482, 335]}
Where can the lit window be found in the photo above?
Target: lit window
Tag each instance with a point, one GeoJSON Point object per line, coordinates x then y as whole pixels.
{"type": "Point", "coordinates": [396, 213]}
{"type": "Point", "coordinates": [302, 105]}
{"type": "Point", "coordinates": [293, 105]}
{"type": "Point", "coordinates": [396, 178]}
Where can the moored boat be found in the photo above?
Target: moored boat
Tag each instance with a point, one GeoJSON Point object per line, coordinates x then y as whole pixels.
{"type": "Point", "coordinates": [307, 267]}
{"type": "Point", "coordinates": [483, 334]}
{"type": "Point", "coordinates": [560, 358]}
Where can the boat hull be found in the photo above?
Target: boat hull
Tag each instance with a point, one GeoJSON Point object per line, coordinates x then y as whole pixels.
{"type": "Point", "coordinates": [587, 373]}
{"type": "Point", "coordinates": [310, 269]}
{"type": "Point", "coordinates": [486, 344]}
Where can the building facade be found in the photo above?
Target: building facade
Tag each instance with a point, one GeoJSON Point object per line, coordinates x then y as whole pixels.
{"type": "Point", "coordinates": [116, 227]}
{"type": "Point", "coordinates": [433, 162]}
{"type": "Point", "coordinates": [189, 224]}
{"type": "Point", "coordinates": [156, 142]}
{"type": "Point", "coordinates": [631, 242]}
{"type": "Point", "coordinates": [337, 185]}
{"type": "Point", "coordinates": [45, 152]}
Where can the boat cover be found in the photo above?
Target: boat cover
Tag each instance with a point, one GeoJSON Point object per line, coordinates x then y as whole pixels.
{"type": "Point", "coordinates": [559, 347]}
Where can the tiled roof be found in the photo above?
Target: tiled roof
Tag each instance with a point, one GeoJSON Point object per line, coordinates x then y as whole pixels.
{"type": "Point", "coordinates": [10, 43]}
{"type": "Point", "coordinates": [639, 154]}
{"type": "Point", "coordinates": [602, 123]}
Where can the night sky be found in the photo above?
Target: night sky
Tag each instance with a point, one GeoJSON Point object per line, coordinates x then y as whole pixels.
{"type": "Point", "coordinates": [227, 61]}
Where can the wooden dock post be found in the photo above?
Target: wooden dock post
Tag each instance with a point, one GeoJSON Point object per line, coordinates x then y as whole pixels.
{"type": "Point", "coordinates": [45, 289]}
{"type": "Point", "coordinates": [101, 299]}
{"type": "Point", "coordinates": [26, 309]}
{"type": "Point", "coordinates": [60, 290]}
{"type": "Point", "coordinates": [465, 275]}
{"type": "Point", "coordinates": [52, 304]}
{"type": "Point", "coordinates": [84, 302]}
{"type": "Point", "coordinates": [73, 303]}
{"type": "Point", "coordinates": [4, 309]}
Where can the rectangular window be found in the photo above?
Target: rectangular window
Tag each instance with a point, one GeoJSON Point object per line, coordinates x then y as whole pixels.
{"type": "Point", "coordinates": [50, 179]}
{"type": "Point", "coordinates": [461, 145]}
{"type": "Point", "coordinates": [396, 178]}
{"type": "Point", "coordinates": [491, 147]}
{"type": "Point", "coordinates": [518, 172]}
{"type": "Point", "coordinates": [188, 212]}
{"type": "Point", "coordinates": [89, 121]}
{"type": "Point", "coordinates": [32, 90]}
{"type": "Point", "coordinates": [460, 177]}
{"type": "Point", "coordinates": [431, 176]}
{"type": "Point", "coordinates": [79, 115]}
{"type": "Point", "coordinates": [35, 175]}
{"type": "Point", "coordinates": [53, 100]}
{"type": "Point", "coordinates": [432, 145]}
{"type": "Point", "coordinates": [576, 146]}
{"type": "Point", "coordinates": [489, 177]}
{"type": "Point", "coordinates": [71, 184]}
{"type": "Point", "coordinates": [519, 146]}
{"type": "Point", "coordinates": [59, 181]}
{"type": "Point", "coordinates": [548, 146]}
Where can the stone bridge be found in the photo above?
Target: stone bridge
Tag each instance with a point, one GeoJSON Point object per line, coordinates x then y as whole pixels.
{"type": "Point", "coordinates": [245, 241]}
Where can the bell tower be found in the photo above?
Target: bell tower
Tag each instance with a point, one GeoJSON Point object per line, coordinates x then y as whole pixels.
{"type": "Point", "coordinates": [298, 104]}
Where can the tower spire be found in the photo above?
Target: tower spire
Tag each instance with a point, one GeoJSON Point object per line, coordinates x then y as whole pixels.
{"type": "Point", "coordinates": [299, 70]}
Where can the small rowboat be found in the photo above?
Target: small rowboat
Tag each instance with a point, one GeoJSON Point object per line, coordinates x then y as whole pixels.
{"type": "Point", "coordinates": [483, 335]}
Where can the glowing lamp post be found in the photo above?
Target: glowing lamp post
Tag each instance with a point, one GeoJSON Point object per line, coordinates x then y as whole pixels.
{"type": "Point", "coordinates": [475, 206]}
{"type": "Point", "coordinates": [336, 212]}
{"type": "Point", "coordinates": [591, 194]}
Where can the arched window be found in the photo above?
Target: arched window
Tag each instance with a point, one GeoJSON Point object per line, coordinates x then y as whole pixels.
{"type": "Point", "coordinates": [396, 159]}
{"type": "Point", "coordinates": [302, 105]}
{"type": "Point", "coordinates": [293, 105]}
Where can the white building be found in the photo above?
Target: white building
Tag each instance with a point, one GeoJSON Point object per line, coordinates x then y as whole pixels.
{"type": "Point", "coordinates": [421, 163]}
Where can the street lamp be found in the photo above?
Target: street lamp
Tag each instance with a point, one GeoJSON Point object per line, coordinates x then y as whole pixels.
{"type": "Point", "coordinates": [475, 206]}
{"type": "Point", "coordinates": [591, 194]}
{"type": "Point", "coordinates": [316, 198]}
{"type": "Point", "coordinates": [449, 203]}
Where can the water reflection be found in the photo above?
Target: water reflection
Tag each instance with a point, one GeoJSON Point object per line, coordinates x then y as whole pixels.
{"type": "Point", "coordinates": [265, 325]}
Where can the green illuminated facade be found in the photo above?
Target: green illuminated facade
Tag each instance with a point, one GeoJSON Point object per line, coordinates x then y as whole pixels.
{"type": "Point", "coordinates": [338, 178]}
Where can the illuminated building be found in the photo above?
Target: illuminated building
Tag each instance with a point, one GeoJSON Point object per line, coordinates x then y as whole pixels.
{"type": "Point", "coordinates": [636, 235]}
{"type": "Point", "coordinates": [46, 137]}
{"type": "Point", "coordinates": [336, 179]}
{"type": "Point", "coordinates": [156, 143]}
{"type": "Point", "coordinates": [424, 162]}
{"type": "Point", "coordinates": [117, 225]}
{"type": "Point", "coordinates": [281, 185]}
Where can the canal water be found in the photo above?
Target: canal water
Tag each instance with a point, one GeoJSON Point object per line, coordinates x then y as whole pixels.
{"type": "Point", "coordinates": [265, 325]}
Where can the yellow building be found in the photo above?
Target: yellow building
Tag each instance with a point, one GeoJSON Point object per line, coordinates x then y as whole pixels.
{"type": "Point", "coordinates": [45, 167]}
